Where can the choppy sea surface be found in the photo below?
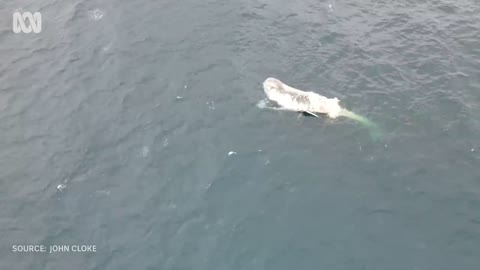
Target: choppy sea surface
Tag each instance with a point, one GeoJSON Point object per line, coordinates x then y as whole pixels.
{"type": "Point", "coordinates": [132, 125]}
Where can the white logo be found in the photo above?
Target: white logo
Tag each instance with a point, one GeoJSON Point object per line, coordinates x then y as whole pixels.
{"type": "Point", "coordinates": [34, 22]}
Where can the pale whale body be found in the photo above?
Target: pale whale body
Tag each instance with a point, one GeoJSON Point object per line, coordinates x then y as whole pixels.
{"type": "Point", "coordinates": [293, 99]}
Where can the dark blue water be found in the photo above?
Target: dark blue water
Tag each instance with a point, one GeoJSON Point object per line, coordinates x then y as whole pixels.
{"type": "Point", "coordinates": [116, 123]}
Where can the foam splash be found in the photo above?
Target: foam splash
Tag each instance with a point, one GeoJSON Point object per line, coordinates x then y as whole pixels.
{"type": "Point", "coordinates": [262, 104]}
{"type": "Point", "coordinates": [266, 105]}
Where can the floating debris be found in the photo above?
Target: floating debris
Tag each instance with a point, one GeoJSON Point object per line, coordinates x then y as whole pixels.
{"type": "Point", "coordinates": [232, 153]}
{"type": "Point", "coordinates": [61, 187]}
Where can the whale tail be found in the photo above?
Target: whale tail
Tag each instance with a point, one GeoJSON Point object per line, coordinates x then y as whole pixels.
{"type": "Point", "coordinates": [374, 130]}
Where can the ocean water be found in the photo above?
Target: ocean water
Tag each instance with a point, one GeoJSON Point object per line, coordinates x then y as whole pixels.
{"type": "Point", "coordinates": [132, 126]}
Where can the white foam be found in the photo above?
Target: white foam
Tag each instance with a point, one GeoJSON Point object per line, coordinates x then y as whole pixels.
{"type": "Point", "coordinates": [95, 14]}
{"type": "Point", "coordinates": [211, 105]}
{"type": "Point", "coordinates": [331, 6]}
{"type": "Point", "coordinates": [262, 104]}
{"type": "Point", "coordinates": [145, 151]}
